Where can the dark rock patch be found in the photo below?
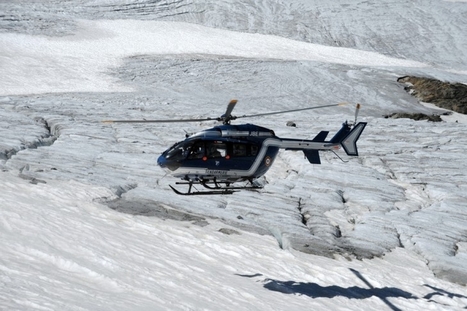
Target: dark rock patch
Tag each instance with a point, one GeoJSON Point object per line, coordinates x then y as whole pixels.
{"type": "Point", "coordinates": [415, 116]}
{"type": "Point", "coordinates": [452, 96]}
{"type": "Point", "coordinates": [228, 231]}
{"type": "Point", "coordinates": [154, 209]}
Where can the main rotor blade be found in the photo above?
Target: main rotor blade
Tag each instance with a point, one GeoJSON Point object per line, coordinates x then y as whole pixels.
{"type": "Point", "coordinates": [230, 107]}
{"type": "Point", "coordinates": [226, 116]}
{"type": "Point", "coordinates": [160, 121]}
{"type": "Point", "coordinates": [287, 111]}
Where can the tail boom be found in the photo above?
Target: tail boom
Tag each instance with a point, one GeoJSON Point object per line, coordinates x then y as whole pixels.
{"type": "Point", "coordinates": [346, 137]}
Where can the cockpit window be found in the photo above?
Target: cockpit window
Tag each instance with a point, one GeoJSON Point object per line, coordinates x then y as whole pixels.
{"type": "Point", "coordinates": [197, 151]}
{"type": "Point", "coordinates": [179, 151]}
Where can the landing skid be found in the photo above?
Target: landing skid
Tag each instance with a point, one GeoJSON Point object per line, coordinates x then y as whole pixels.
{"type": "Point", "coordinates": [196, 192]}
{"type": "Point", "coordinates": [213, 187]}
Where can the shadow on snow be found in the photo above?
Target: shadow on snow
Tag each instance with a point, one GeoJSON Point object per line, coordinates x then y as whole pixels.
{"type": "Point", "coordinates": [314, 290]}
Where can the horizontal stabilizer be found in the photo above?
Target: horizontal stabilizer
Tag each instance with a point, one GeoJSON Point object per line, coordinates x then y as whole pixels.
{"type": "Point", "coordinates": [321, 136]}
{"type": "Point", "coordinates": [312, 155]}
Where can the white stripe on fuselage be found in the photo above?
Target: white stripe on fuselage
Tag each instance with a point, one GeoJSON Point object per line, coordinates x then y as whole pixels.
{"type": "Point", "coordinates": [269, 142]}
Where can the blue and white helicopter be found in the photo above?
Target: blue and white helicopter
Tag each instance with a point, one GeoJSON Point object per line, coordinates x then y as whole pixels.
{"type": "Point", "coordinates": [218, 157]}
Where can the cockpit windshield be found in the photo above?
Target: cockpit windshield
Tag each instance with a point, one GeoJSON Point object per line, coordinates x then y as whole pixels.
{"type": "Point", "coordinates": [179, 151]}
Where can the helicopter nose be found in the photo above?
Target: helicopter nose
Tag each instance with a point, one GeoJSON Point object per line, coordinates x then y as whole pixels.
{"type": "Point", "coordinates": [165, 163]}
{"type": "Point", "coordinates": [162, 161]}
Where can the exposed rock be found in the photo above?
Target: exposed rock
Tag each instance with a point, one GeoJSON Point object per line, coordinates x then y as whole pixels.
{"type": "Point", "coordinates": [452, 96]}
{"type": "Point", "coordinates": [228, 231]}
{"type": "Point", "coordinates": [153, 209]}
{"type": "Point", "coordinates": [415, 116]}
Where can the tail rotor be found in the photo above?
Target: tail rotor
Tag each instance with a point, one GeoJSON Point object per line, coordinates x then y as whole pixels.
{"type": "Point", "coordinates": [357, 110]}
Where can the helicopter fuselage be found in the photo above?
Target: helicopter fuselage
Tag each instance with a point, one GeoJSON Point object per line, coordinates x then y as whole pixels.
{"type": "Point", "coordinates": [231, 153]}
{"type": "Point", "coordinates": [226, 153]}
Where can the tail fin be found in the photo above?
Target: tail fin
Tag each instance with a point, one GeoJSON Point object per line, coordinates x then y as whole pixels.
{"type": "Point", "coordinates": [349, 141]}
{"type": "Point", "coordinates": [347, 137]}
{"type": "Point", "coordinates": [313, 155]}
{"type": "Point", "coordinates": [321, 136]}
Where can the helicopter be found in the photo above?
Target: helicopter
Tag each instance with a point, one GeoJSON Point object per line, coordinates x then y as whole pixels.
{"type": "Point", "coordinates": [217, 158]}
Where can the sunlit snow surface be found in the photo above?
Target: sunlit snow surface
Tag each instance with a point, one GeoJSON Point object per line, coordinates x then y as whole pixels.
{"type": "Point", "coordinates": [87, 221]}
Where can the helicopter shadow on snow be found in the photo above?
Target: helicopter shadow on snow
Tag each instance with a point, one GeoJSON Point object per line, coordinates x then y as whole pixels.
{"type": "Point", "coordinates": [314, 290]}
{"type": "Point", "coordinates": [442, 293]}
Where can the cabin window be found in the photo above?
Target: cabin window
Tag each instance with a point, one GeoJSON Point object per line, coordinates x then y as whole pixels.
{"type": "Point", "coordinates": [244, 150]}
{"type": "Point", "coordinates": [239, 150]}
{"type": "Point", "coordinates": [216, 149]}
{"type": "Point", "coordinates": [253, 150]}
